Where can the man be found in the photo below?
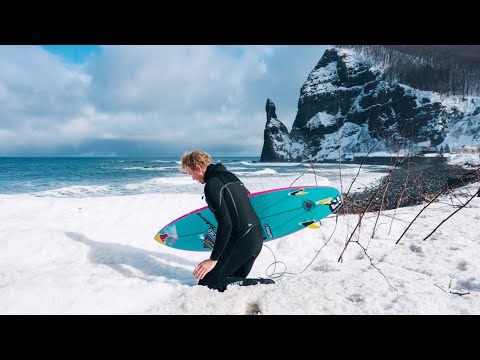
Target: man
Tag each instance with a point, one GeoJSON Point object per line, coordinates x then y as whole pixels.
{"type": "Point", "coordinates": [239, 236]}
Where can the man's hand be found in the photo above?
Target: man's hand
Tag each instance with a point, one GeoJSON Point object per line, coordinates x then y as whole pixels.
{"type": "Point", "coordinates": [204, 268]}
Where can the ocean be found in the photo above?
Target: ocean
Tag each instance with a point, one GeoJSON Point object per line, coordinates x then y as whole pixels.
{"type": "Point", "coordinates": [95, 177]}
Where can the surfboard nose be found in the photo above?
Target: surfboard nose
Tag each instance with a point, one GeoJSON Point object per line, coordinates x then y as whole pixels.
{"type": "Point", "coordinates": [160, 238]}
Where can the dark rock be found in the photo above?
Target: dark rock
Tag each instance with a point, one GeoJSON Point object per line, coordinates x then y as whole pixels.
{"type": "Point", "coordinates": [414, 184]}
{"type": "Point", "coordinates": [276, 143]}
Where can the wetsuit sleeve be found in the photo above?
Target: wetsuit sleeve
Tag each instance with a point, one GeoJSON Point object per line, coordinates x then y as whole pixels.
{"type": "Point", "coordinates": [217, 205]}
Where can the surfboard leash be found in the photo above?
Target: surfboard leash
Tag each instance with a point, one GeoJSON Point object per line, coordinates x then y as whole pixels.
{"type": "Point", "coordinates": [275, 275]}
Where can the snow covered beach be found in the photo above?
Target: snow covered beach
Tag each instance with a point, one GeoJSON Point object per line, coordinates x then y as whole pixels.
{"type": "Point", "coordinates": [96, 255]}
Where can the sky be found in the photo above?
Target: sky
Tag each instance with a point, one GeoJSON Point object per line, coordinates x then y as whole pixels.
{"type": "Point", "coordinates": [146, 100]}
{"type": "Point", "coordinates": [98, 256]}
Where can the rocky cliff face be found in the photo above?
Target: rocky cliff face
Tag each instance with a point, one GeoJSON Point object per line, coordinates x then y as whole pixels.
{"type": "Point", "coordinates": [276, 141]}
{"type": "Point", "coordinates": [347, 107]}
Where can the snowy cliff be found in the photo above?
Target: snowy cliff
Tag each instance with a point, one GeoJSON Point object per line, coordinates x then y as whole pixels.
{"type": "Point", "coordinates": [347, 106]}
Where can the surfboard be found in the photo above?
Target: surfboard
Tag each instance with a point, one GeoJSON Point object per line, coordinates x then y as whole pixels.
{"type": "Point", "coordinates": [281, 211]}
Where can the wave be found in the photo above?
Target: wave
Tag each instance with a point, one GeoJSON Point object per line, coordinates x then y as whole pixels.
{"type": "Point", "coordinates": [272, 164]}
{"type": "Point", "coordinates": [167, 161]}
{"type": "Point", "coordinates": [151, 168]}
{"type": "Point", "coordinates": [157, 185]}
{"type": "Point", "coordinates": [233, 168]}
{"type": "Point", "coordinates": [266, 171]}
{"type": "Point", "coordinates": [79, 191]}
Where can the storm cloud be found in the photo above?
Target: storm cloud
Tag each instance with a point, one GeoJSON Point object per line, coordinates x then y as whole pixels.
{"type": "Point", "coordinates": [147, 100]}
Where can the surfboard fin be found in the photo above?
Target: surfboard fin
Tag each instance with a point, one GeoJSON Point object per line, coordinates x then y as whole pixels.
{"type": "Point", "coordinates": [326, 201]}
{"type": "Point", "coordinates": [311, 224]}
{"type": "Point", "coordinates": [299, 192]}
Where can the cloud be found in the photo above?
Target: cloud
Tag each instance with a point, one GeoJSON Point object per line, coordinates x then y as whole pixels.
{"type": "Point", "coordinates": [168, 98]}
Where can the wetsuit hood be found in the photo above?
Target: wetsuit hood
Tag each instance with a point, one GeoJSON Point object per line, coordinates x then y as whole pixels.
{"type": "Point", "coordinates": [212, 170]}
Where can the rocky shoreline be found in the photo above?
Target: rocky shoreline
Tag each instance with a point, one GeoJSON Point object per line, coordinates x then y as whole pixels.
{"type": "Point", "coordinates": [411, 184]}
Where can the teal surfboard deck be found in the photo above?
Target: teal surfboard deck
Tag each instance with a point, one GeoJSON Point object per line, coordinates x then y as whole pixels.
{"type": "Point", "coordinates": [281, 212]}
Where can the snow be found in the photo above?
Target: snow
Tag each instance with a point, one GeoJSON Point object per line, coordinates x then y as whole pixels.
{"type": "Point", "coordinates": [382, 154]}
{"type": "Point", "coordinates": [320, 118]}
{"type": "Point", "coordinates": [353, 139]}
{"type": "Point", "coordinates": [463, 133]}
{"type": "Point", "coordinates": [433, 155]}
{"type": "Point", "coordinates": [467, 160]}
{"type": "Point", "coordinates": [320, 80]}
{"type": "Point", "coordinates": [354, 60]}
{"type": "Point", "coordinates": [296, 149]}
{"type": "Point", "coordinates": [97, 255]}
{"type": "Point", "coordinates": [280, 141]}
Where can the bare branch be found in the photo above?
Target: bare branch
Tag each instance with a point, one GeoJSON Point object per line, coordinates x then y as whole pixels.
{"type": "Point", "coordinates": [460, 208]}
{"type": "Point", "coordinates": [358, 172]}
{"type": "Point", "coordinates": [367, 207]}
{"type": "Point", "coordinates": [401, 196]}
{"type": "Point", "coordinates": [371, 263]}
{"type": "Point", "coordinates": [440, 288]}
{"type": "Point", "coordinates": [458, 293]}
{"type": "Point", "coordinates": [298, 177]}
{"type": "Point", "coordinates": [314, 173]}
{"type": "Point", "coordinates": [431, 201]}
{"type": "Point", "coordinates": [387, 185]}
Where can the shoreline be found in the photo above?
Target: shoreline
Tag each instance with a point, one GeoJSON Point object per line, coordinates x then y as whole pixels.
{"type": "Point", "coordinates": [409, 185]}
{"type": "Point", "coordinates": [377, 160]}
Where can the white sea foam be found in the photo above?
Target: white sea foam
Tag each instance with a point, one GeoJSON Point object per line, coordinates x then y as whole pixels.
{"type": "Point", "coordinates": [236, 168]}
{"type": "Point", "coordinates": [79, 191]}
{"type": "Point", "coordinates": [151, 168]}
{"type": "Point", "coordinates": [263, 164]}
{"type": "Point", "coordinates": [266, 171]}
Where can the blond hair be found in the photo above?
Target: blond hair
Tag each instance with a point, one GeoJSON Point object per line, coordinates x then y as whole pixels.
{"type": "Point", "coordinates": [193, 158]}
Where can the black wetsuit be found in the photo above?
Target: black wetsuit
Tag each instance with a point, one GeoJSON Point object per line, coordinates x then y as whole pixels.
{"type": "Point", "coordinates": [239, 236]}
